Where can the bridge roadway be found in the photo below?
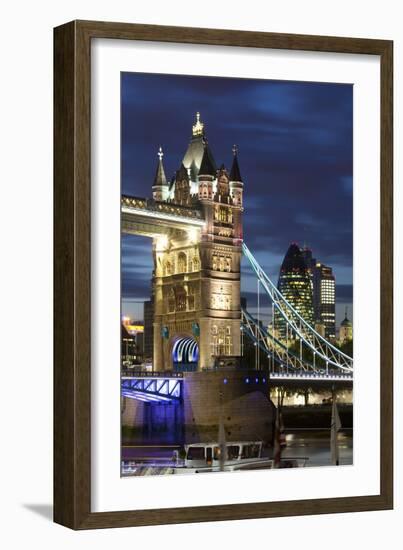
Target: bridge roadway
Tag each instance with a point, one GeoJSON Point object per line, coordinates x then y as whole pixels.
{"type": "Point", "coordinates": [167, 386]}
{"type": "Point", "coordinates": [141, 216]}
{"type": "Point", "coordinates": [152, 387]}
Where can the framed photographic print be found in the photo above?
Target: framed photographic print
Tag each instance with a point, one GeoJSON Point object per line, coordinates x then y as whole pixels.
{"type": "Point", "coordinates": [223, 275]}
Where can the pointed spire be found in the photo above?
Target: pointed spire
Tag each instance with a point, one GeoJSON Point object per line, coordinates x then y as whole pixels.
{"type": "Point", "coordinates": [235, 174]}
{"type": "Point", "coordinates": [207, 167]}
{"type": "Point", "coordinates": [160, 178]}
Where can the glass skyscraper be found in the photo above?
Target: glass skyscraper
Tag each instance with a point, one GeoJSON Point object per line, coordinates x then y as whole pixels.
{"type": "Point", "coordinates": [295, 284]}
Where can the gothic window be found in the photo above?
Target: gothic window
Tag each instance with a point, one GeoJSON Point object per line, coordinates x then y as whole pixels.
{"type": "Point", "coordinates": [216, 213]}
{"type": "Point", "coordinates": [221, 264]}
{"type": "Point", "coordinates": [182, 262]}
{"type": "Point", "coordinates": [213, 344]}
{"type": "Point", "coordinates": [228, 264]}
{"type": "Point", "coordinates": [223, 215]}
{"type": "Point", "coordinates": [180, 299]}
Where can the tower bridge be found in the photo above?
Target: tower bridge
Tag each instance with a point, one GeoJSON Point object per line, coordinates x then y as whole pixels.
{"type": "Point", "coordinates": [195, 223]}
{"type": "Point", "coordinates": [142, 216]}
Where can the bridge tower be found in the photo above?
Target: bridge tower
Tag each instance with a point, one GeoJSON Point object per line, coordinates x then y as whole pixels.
{"type": "Point", "coordinates": [196, 277]}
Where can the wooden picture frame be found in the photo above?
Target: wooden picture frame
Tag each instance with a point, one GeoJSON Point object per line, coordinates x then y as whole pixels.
{"type": "Point", "coordinates": [72, 271]}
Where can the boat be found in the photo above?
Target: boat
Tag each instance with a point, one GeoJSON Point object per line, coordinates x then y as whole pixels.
{"type": "Point", "coordinates": [207, 457]}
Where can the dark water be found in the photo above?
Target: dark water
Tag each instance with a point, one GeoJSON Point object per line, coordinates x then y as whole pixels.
{"type": "Point", "coordinates": [315, 445]}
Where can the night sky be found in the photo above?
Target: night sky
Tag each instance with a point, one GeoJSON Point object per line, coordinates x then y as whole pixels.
{"type": "Point", "coordinates": [295, 154]}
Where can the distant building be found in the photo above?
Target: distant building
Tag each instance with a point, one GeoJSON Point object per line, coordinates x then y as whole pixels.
{"type": "Point", "coordinates": [128, 346]}
{"type": "Point", "coordinates": [324, 293]}
{"type": "Point", "coordinates": [346, 330]}
{"type": "Point", "coordinates": [324, 297]}
{"type": "Point", "coordinates": [140, 342]}
{"type": "Point", "coordinates": [148, 336]}
{"type": "Point", "coordinates": [271, 329]}
{"type": "Point", "coordinates": [295, 284]}
{"type": "Point", "coordinates": [310, 261]}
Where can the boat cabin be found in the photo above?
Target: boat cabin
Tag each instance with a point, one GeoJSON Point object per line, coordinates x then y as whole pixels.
{"type": "Point", "coordinates": [199, 455]}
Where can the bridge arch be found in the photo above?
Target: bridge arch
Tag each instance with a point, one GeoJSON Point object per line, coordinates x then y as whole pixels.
{"type": "Point", "coordinates": [185, 353]}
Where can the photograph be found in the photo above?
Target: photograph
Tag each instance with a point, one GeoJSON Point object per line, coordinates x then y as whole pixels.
{"type": "Point", "coordinates": [236, 274]}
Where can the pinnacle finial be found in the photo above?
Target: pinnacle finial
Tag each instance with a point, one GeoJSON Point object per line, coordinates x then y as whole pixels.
{"type": "Point", "coordinates": [160, 153]}
{"type": "Point", "coordinates": [235, 174]}
{"type": "Point", "coordinates": [198, 127]}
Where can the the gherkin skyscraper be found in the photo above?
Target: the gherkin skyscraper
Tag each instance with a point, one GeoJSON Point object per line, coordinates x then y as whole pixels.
{"type": "Point", "coordinates": [295, 285]}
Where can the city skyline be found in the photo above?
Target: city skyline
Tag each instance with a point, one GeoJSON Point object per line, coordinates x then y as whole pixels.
{"type": "Point", "coordinates": [295, 156]}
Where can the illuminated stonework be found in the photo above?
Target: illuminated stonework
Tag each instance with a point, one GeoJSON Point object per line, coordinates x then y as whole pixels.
{"type": "Point", "coordinates": [196, 277]}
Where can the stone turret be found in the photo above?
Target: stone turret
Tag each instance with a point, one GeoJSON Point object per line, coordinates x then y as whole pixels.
{"type": "Point", "coordinates": [160, 185]}
{"type": "Point", "coordinates": [197, 273]}
{"type": "Point", "coordinates": [235, 180]}
{"type": "Point", "coordinates": [206, 177]}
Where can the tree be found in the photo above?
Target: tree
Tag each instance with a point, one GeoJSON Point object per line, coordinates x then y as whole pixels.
{"type": "Point", "coordinates": [306, 391]}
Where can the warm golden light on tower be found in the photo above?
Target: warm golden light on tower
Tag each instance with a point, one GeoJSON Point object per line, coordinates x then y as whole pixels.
{"type": "Point", "coordinates": [161, 243]}
{"type": "Point", "coordinates": [193, 235]}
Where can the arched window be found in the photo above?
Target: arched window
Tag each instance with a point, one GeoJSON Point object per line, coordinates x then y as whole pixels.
{"type": "Point", "coordinates": [221, 341]}
{"type": "Point", "coordinates": [182, 261]}
{"type": "Point", "coordinates": [180, 299]}
{"type": "Point", "coordinates": [223, 215]}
